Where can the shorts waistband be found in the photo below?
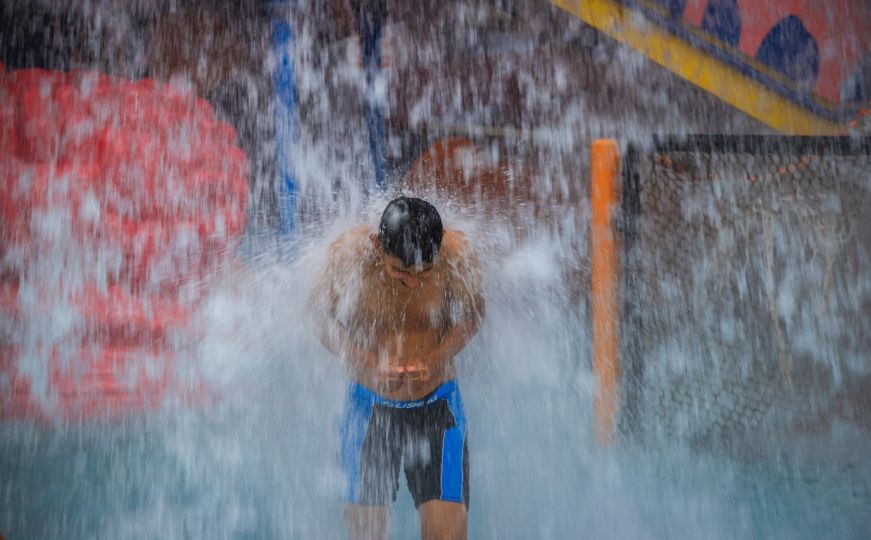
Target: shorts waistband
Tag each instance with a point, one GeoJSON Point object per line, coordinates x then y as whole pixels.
{"type": "Point", "coordinates": [441, 392]}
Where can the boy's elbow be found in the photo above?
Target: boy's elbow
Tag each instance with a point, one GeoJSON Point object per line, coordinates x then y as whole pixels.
{"type": "Point", "coordinates": [480, 309]}
{"type": "Point", "coordinates": [327, 335]}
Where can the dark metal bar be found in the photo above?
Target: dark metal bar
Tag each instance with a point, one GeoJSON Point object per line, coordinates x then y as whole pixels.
{"type": "Point", "coordinates": [630, 333]}
{"type": "Point", "coordinates": [783, 144]}
{"type": "Point", "coordinates": [371, 15]}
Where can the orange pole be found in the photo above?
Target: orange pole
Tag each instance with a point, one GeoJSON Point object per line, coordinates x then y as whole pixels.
{"type": "Point", "coordinates": [604, 168]}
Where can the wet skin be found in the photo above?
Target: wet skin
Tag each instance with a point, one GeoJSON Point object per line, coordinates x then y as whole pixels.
{"type": "Point", "coordinates": [399, 327]}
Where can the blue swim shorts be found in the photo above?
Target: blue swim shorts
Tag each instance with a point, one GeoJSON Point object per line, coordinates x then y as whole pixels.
{"type": "Point", "coordinates": [426, 435]}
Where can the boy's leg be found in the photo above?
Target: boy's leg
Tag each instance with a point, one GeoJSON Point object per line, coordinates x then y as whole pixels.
{"type": "Point", "coordinates": [442, 520]}
{"type": "Point", "coordinates": [370, 461]}
{"type": "Point", "coordinates": [366, 522]}
{"type": "Point", "coordinates": [437, 468]}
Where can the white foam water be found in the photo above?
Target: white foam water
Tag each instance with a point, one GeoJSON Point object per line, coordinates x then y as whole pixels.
{"type": "Point", "coordinates": [256, 457]}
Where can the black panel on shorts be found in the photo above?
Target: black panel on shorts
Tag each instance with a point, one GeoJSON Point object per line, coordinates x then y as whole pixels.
{"type": "Point", "coordinates": [415, 436]}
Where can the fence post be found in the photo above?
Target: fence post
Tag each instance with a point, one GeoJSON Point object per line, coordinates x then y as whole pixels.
{"type": "Point", "coordinates": [631, 365]}
{"type": "Point", "coordinates": [604, 168]}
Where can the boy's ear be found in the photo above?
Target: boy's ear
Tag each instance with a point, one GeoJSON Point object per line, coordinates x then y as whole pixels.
{"type": "Point", "coordinates": [376, 243]}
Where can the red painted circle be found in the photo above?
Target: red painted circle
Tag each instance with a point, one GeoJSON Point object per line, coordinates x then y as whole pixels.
{"type": "Point", "coordinates": [140, 192]}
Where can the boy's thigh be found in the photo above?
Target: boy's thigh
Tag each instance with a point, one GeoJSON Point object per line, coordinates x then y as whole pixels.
{"type": "Point", "coordinates": [442, 520]}
{"type": "Point", "coordinates": [366, 522]}
{"type": "Point", "coordinates": [436, 456]}
{"type": "Point", "coordinates": [371, 460]}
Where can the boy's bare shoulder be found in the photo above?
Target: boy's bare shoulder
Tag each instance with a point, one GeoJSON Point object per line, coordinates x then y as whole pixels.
{"type": "Point", "coordinates": [455, 244]}
{"type": "Point", "coordinates": [351, 237]}
{"type": "Point", "coordinates": [350, 243]}
{"type": "Point", "coordinates": [459, 256]}
{"type": "Point", "coordinates": [464, 288]}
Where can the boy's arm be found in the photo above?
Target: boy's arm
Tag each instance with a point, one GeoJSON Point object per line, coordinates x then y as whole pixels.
{"type": "Point", "coordinates": [339, 341]}
{"type": "Point", "coordinates": [324, 306]}
{"type": "Point", "coordinates": [360, 360]}
{"type": "Point", "coordinates": [455, 340]}
{"type": "Point", "coordinates": [334, 335]}
{"type": "Point", "coordinates": [465, 306]}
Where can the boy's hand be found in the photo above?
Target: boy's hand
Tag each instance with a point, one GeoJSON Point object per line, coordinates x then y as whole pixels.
{"type": "Point", "coordinates": [414, 371]}
{"type": "Point", "coordinates": [397, 373]}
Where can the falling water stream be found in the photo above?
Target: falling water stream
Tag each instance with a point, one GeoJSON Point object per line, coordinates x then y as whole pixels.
{"type": "Point", "coordinates": [244, 443]}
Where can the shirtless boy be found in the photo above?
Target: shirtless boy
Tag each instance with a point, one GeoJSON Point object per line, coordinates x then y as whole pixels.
{"type": "Point", "coordinates": [398, 305]}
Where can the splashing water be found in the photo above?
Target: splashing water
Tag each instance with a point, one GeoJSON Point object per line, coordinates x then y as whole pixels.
{"type": "Point", "coordinates": [245, 446]}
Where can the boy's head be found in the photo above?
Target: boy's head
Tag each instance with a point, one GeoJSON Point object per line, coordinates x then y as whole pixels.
{"type": "Point", "coordinates": [410, 234]}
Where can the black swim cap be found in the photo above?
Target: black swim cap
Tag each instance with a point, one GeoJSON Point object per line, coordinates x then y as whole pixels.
{"type": "Point", "coordinates": [411, 229]}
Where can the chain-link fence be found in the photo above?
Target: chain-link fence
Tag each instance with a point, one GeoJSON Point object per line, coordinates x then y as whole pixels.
{"type": "Point", "coordinates": [747, 294]}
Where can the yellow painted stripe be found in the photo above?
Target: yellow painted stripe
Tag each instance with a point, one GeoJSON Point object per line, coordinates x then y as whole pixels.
{"type": "Point", "coordinates": [706, 72]}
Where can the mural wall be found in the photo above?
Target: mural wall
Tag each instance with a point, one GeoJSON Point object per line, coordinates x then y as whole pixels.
{"type": "Point", "coordinates": [811, 49]}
